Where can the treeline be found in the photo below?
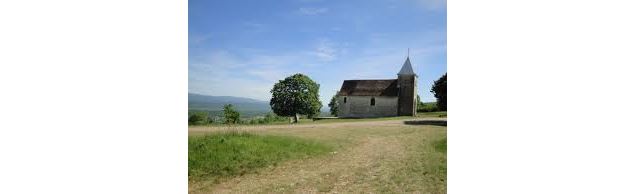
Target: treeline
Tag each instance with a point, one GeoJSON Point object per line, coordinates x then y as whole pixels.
{"type": "Point", "coordinates": [427, 107]}
{"type": "Point", "coordinates": [440, 91]}
{"type": "Point", "coordinates": [231, 116]}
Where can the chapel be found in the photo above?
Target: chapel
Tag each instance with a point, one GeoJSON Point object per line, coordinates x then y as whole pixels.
{"type": "Point", "coordinates": [380, 97]}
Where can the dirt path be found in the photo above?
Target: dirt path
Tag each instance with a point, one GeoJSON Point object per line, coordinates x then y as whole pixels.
{"type": "Point", "coordinates": [384, 123]}
{"type": "Point", "coordinates": [374, 150]}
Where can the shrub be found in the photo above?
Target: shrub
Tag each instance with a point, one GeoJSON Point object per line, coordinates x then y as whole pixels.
{"type": "Point", "coordinates": [270, 118]}
{"type": "Point", "coordinates": [198, 118]}
{"type": "Point", "coordinates": [231, 115]}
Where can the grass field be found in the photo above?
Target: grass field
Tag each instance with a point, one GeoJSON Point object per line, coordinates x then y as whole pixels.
{"type": "Point", "coordinates": [227, 154]}
{"type": "Point", "coordinates": [344, 156]}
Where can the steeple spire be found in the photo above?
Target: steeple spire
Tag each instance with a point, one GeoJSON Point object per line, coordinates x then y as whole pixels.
{"type": "Point", "coordinates": [406, 69]}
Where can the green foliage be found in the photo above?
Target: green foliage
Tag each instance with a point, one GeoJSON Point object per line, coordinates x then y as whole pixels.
{"type": "Point", "coordinates": [440, 90]}
{"type": "Point", "coordinates": [270, 118]}
{"type": "Point", "coordinates": [229, 154]}
{"type": "Point", "coordinates": [420, 104]}
{"type": "Point", "coordinates": [427, 107]}
{"type": "Point", "coordinates": [197, 118]}
{"type": "Point", "coordinates": [334, 105]}
{"type": "Point", "coordinates": [231, 115]}
{"type": "Point", "coordinates": [296, 94]}
{"type": "Point", "coordinates": [266, 119]}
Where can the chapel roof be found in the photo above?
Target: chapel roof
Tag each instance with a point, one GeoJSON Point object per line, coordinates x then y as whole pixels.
{"type": "Point", "coordinates": [387, 87]}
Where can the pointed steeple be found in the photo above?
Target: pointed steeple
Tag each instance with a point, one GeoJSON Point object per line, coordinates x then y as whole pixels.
{"type": "Point", "coordinates": [406, 69]}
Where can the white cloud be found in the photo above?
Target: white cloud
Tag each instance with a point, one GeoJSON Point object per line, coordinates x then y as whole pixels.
{"type": "Point", "coordinates": [221, 59]}
{"type": "Point", "coordinates": [326, 50]}
{"type": "Point", "coordinates": [269, 74]}
{"type": "Point", "coordinates": [312, 10]}
{"type": "Point", "coordinates": [274, 60]}
{"type": "Point", "coordinates": [224, 73]}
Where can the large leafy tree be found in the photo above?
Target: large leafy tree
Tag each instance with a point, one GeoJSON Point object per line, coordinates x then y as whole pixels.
{"type": "Point", "coordinates": [295, 95]}
{"type": "Point", "coordinates": [334, 105]}
{"type": "Point", "coordinates": [440, 90]}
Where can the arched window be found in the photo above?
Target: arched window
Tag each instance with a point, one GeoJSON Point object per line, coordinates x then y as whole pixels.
{"type": "Point", "coordinates": [372, 101]}
{"type": "Point", "coordinates": [344, 99]}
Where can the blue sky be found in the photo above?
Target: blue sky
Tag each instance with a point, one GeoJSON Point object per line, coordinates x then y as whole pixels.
{"type": "Point", "coordinates": [242, 48]}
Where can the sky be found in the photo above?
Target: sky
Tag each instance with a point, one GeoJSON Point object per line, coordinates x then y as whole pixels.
{"type": "Point", "coordinates": [243, 47]}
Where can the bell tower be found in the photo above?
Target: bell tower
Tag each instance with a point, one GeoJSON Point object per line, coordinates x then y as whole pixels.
{"type": "Point", "coordinates": [407, 83]}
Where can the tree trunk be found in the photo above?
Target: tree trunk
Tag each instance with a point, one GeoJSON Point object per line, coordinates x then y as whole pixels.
{"type": "Point", "coordinates": [294, 119]}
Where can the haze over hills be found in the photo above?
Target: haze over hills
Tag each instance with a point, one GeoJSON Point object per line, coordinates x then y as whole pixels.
{"type": "Point", "coordinates": [248, 107]}
{"type": "Point", "coordinates": [215, 103]}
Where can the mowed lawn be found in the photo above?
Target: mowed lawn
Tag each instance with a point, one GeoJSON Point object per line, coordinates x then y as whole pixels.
{"type": "Point", "coordinates": [376, 156]}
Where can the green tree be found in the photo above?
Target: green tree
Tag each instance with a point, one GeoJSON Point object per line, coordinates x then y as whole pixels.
{"type": "Point", "coordinates": [296, 94]}
{"type": "Point", "coordinates": [197, 118]}
{"type": "Point", "coordinates": [231, 115]}
{"type": "Point", "coordinates": [440, 90]}
{"type": "Point", "coordinates": [334, 105]}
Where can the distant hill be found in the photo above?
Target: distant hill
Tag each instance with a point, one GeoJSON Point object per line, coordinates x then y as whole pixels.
{"type": "Point", "coordinates": [198, 102]}
{"type": "Point", "coordinates": [246, 106]}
